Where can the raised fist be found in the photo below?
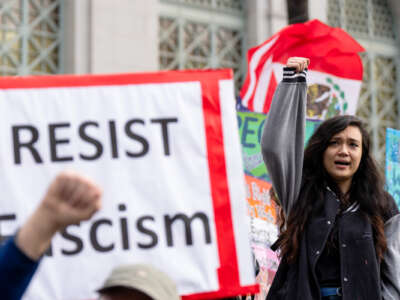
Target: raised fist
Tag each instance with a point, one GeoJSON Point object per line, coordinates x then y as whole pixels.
{"type": "Point", "coordinates": [300, 63]}
{"type": "Point", "coordinates": [70, 199]}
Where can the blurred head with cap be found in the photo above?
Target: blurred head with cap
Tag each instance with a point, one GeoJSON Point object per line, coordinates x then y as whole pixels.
{"type": "Point", "coordinates": [139, 282]}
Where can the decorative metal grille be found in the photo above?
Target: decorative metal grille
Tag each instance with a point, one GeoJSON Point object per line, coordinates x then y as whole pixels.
{"type": "Point", "coordinates": [356, 17]}
{"type": "Point", "coordinates": [370, 21]}
{"type": "Point", "coordinates": [230, 6]}
{"type": "Point", "coordinates": [382, 20]}
{"type": "Point", "coordinates": [30, 37]}
{"type": "Point", "coordinates": [334, 17]}
{"type": "Point", "coordinates": [197, 44]}
{"type": "Point", "coordinates": [362, 18]}
{"type": "Point", "coordinates": [378, 104]}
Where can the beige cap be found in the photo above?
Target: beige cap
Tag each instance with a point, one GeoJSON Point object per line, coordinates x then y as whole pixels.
{"type": "Point", "coordinates": [143, 278]}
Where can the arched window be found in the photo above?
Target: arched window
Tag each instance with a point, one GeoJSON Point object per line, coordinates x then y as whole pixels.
{"type": "Point", "coordinates": [30, 37]}
{"type": "Point", "coordinates": [200, 34]}
{"type": "Point", "coordinates": [371, 23]}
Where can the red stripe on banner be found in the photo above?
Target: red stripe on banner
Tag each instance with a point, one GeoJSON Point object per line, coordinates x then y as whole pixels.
{"type": "Point", "coordinates": [245, 290]}
{"type": "Point", "coordinates": [58, 81]}
{"type": "Point", "coordinates": [228, 274]}
{"type": "Point", "coordinates": [224, 293]}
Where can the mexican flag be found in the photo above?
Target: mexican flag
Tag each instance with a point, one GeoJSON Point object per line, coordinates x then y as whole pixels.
{"type": "Point", "coordinates": [334, 76]}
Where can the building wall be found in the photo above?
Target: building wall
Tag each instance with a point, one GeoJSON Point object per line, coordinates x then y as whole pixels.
{"type": "Point", "coordinates": [31, 37]}
{"type": "Point", "coordinates": [395, 9]}
{"type": "Point", "coordinates": [317, 9]}
{"type": "Point", "coordinates": [102, 37]}
{"type": "Point", "coordinates": [77, 37]}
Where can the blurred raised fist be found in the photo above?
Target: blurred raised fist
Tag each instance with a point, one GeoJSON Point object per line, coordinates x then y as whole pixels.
{"type": "Point", "coordinates": [70, 199]}
{"type": "Point", "coordinates": [300, 63]}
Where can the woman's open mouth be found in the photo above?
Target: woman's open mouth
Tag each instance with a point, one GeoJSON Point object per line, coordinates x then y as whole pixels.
{"type": "Point", "coordinates": [342, 164]}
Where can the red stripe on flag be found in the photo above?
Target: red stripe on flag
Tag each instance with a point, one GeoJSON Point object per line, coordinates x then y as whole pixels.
{"type": "Point", "coordinates": [257, 57]}
{"type": "Point", "coordinates": [250, 105]}
{"type": "Point", "coordinates": [246, 83]}
{"type": "Point", "coordinates": [270, 92]}
{"type": "Point", "coordinates": [258, 73]}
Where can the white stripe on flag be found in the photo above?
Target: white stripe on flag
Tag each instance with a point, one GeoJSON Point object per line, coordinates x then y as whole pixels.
{"type": "Point", "coordinates": [262, 86]}
{"type": "Point", "coordinates": [255, 59]}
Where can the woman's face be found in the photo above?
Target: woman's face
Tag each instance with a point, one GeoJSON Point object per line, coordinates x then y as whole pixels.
{"type": "Point", "coordinates": [343, 155]}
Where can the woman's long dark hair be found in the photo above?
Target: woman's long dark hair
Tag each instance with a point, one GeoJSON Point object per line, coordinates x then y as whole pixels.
{"type": "Point", "coordinates": [367, 188]}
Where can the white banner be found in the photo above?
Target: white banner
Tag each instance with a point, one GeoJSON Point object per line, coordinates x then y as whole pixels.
{"type": "Point", "coordinates": [165, 149]}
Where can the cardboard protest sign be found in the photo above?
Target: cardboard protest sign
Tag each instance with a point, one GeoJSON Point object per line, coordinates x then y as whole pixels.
{"type": "Point", "coordinates": [393, 163]}
{"type": "Point", "coordinates": [161, 146]}
{"type": "Point", "coordinates": [259, 202]}
{"type": "Point", "coordinates": [264, 231]}
{"type": "Point", "coordinates": [268, 262]}
{"type": "Point", "coordinates": [262, 211]}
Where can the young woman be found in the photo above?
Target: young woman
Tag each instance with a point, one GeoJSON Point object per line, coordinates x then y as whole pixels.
{"type": "Point", "coordinates": [333, 198]}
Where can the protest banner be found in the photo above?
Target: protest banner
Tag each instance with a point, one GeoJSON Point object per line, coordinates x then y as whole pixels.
{"type": "Point", "coordinates": [250, 129]}
{"type": "Point", "coordinates": [334, 76]}
{"type": "Point", "coordinates": [251, 125]}
{"type": "Point", "coordinates": [393, 163]}
{"type": "Point", "coordinates": [259, 202]}
{"type": "Point", "coordinates": [262, 211]}
{"type": "Point", "coordinates": [162, 147]}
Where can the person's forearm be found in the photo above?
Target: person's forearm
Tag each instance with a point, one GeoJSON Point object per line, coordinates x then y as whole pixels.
{"type": "Point", "coordinates": [34, 237]}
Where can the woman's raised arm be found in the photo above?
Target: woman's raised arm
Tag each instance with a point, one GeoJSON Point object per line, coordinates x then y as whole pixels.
{"type": "Point", "coordinates": [282, 140]}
